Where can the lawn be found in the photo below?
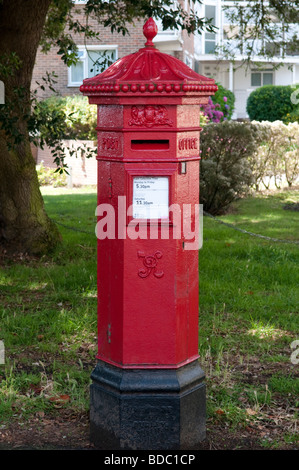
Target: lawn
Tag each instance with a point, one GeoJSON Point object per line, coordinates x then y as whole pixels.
{"type": "Point", "coordinates": [248, 318]}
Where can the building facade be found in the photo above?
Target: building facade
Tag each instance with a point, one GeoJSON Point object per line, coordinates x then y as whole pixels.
{"type": "Point", "coordinates": [94, 55]}
{"type": "Point", "coordinates": [233, 74]}
{"type": "Point", "coordinates": [197, 51]}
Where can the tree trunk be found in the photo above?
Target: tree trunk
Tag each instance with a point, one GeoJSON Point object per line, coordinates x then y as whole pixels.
{"type": "Point", "coordinates": [24, 224]}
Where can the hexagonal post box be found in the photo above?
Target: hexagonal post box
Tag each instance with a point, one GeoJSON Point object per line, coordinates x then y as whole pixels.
{"type": "Point", "coordinates": [148, 388]}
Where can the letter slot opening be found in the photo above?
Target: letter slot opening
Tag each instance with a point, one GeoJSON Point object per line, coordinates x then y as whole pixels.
{"type": "Point", "coordinates": [149, 144]}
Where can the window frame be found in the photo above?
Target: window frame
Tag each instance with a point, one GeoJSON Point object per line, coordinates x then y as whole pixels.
{"type": "Point", "coordinates": [84, 59]}
{"type": "Point", "coordinates": [212, 39]}
{"type": "Point", "coordinates": [262, 72]}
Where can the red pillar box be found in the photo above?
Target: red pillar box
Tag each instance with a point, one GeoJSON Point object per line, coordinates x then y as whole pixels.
{"type": "Point", "coordinates": [148, 389]}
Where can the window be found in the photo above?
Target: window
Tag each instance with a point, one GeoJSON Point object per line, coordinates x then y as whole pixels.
{"type": "Point", "coordinates": [92, 60]}
{"type": "Point", "coordinates": [210, 38]}
{"type": "Point", "coordinates": [261, 78]}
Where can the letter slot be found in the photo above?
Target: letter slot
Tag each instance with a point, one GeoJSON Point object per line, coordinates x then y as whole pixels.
{"type": "Point", "coordinates": [149, 144]}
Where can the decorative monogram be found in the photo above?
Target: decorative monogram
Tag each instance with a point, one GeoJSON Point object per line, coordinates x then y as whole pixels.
{"type": "Point", "coordinates": [150, 116]}
{"type": "Point", "coordinates": [150, 264]}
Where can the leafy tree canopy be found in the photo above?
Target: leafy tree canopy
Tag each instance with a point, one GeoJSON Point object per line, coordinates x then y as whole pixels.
{"type": "Point", "coordinates": [62, 20]}
{"type": "Point", "coordinates": [261, 29]}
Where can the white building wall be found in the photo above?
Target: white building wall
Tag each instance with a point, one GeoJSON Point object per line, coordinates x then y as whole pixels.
{"type": "Point", "coordinates": [242, 85]}
{"type": "Point", "coordinates": [283, 76]}
{"type": "Point", "coordinates": [241, 89]}
{"type": "Point", "coordinates": [240, 81]}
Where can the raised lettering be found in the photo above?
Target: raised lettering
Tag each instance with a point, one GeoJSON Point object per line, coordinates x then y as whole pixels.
{"type": "Point", "coordinates": [188, 143]}
{"type": "Point", "coordinates": [109, 143]}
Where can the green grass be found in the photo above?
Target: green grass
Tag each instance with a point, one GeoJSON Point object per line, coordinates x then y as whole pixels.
{"type": "Point", "coordinates": [48, 316]}
{"type": "Point", "coordinates": [248, 317]}
{"type": "Point", "coordinates": [249, 306]}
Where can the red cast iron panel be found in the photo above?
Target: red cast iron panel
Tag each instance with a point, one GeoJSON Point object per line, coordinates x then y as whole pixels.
{"type": "Point", "coordinates": [148, 127]}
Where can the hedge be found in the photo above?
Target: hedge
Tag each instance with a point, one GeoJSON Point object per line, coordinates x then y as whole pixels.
{"type": "Point", "coordinates": [272, 103]}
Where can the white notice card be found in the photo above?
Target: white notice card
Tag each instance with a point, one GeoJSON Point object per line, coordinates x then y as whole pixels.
{"type": "Point", "coordinates": [150, 197]}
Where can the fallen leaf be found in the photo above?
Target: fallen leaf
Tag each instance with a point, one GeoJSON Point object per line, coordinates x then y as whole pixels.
{"type": "Point", "coordinates": [250, 412]}
{"type": "Point", "coordinates": [220, 412]}
{"type": "Point", "coordinates": [36, 389]}
{"type": "Point", "coordinates": [60, 399]}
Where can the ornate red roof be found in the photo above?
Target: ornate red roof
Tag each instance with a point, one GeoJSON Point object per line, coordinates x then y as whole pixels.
{"type": "Point", "coordinates": [148, 71]}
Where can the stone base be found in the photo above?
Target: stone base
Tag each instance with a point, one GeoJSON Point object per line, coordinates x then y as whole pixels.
{"type": "Point", "coordinates": [147, 409]}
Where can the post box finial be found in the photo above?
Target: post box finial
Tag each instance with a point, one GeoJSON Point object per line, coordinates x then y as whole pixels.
{"type": "Point", "coordinates": [150, 30]}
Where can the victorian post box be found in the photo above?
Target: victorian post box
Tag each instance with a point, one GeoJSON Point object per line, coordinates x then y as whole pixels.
{"type": "Point", "coordinates": [148, 388]}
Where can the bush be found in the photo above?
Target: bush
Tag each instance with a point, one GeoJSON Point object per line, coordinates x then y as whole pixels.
{"type": "Point", "coordinates": [225, 173]}
{"type": "Point", "coordinates": [293, 116]}
{"type": "Point", "coordinates": [48, 176]}
{"type": "Point", "coordinates": [78, 117]}
{"type": "Point", "coordinates": [81, 118]}
{"type": "Point", "coordinates": [212, 112]}
{"type": "Point", "coordinates": [272, 103]}
{"type": "Point", "coordinates": [259, 161]}
{"type": "Point", "coordinates": [220, 106]}
{"type": "Point", "coordinates": [58, 118]}
{"type": "Point", "coordinates": [226, 100]}
{"type": "Point", "coordinates": [277, 155]}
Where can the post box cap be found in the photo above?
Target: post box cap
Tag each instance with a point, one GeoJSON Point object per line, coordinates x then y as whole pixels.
{"type": "Point", "coordinates": [148, 72]}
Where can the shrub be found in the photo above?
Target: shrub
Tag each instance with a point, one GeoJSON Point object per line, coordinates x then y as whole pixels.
{"type": "Point", "coordinates": [212, 112]}
{"type": "Point", "coordinates": [225, 173]}
{"type": "Point", "coordinates": [78, 118]}
{"type": "Point", "coordinates": [226, 99]}
{"type": "Point", "coordinates": [203, 119]}
{"type": "Point", "coordinates": [220, 106]}
{"type": "Point", "coordinates": [81, 118]}
{"type": "Point", "coordinates": [58, 118]}
{"type": "Point", "coordinates": [272, 103]}
{"type": "Point", "coordinates": [48, 176]}
{"type": "Point", "coordinates": [277, 154]}
{"type": "Point", "coordinates": [260, 160]}
{"type": "Point", "coordinates": [293, 116]}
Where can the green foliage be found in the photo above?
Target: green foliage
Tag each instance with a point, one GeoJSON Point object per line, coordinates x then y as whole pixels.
{"type": "Point", "coordinates": [58, 118]}
{"type": "Point", "coordinates": [81, 118]}
{"type": "Point", "coordinates": [77, 118]}
{"type": "Point", "coordinates": [226, 99]}
{"type": "Point", "coordinates": [57, 29]}
{"type": "Point", "coordinates": [277, 155]}
{"type": "Point", "coordinates": [258, 28]}
{"type": "Point", "coordinates": [47, 176]}
{"type": "Point", "coordinates": [15, 101]}
{"type": "Point", "coordinates": [48, 321]}
{"type": "Point", "coordinates": [24, 114]}
{"type": "Point", "coordinates": [292, 116]}
{"type": "Point", "coordinates": [62, 22]}
{"type": "Point", "coordinates": [272, 103]}
{"type": "Point", "coordinates": [237, 156]}
{"type": "Point", "coordinates": [225, 173]}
